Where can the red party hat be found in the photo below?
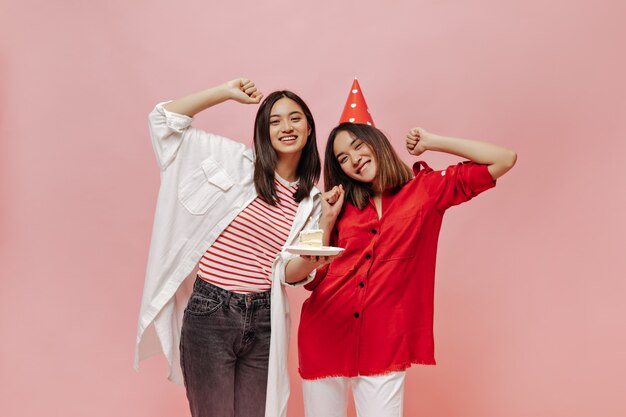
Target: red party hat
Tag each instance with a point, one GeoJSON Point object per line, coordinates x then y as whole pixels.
{"type": "Point", "coordinates": [355, 110]}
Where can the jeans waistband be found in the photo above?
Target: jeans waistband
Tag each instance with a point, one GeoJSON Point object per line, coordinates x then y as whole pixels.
{"type": "Point", "coordinates": [204, 287]}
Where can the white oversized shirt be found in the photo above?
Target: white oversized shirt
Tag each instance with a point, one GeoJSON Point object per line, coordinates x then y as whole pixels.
{"type": "Point", "coordinates": [206, 180]}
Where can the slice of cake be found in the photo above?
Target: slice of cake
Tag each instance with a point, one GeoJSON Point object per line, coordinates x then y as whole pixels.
{"type": "Point", "coordinates": [311, 237]}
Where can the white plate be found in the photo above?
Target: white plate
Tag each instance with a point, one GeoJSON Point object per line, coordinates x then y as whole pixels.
{"type": "Point", "coordinates": [314, 251]}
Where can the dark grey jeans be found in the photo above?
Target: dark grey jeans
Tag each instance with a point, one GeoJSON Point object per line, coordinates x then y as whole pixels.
{"type": "Point", "coordinates": [224, 351]}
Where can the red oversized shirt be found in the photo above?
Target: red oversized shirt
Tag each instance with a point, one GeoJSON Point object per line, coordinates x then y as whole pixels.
{"type": "Point", "coordinates": [371, 310]}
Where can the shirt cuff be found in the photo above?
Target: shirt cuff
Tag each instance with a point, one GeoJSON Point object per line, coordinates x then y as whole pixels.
{"type": "Point", "coordinates": [175, 121]}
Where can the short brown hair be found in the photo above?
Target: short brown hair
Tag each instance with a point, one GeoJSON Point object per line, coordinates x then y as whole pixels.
{"type": "Point", "coordinates": [392, 172]}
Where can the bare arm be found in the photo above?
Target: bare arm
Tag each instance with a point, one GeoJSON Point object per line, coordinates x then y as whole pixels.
{"type": "Point", "coordinates": [499, 160]}
{"type": "Point", "coordinates": [241, 90]}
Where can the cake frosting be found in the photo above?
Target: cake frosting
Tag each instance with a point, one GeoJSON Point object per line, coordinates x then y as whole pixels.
{"type": "Point", "coordinates": [311, 237]}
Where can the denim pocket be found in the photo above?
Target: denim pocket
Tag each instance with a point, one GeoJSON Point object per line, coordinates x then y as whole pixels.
{"type": "Point", "coordinates": [202, 305]}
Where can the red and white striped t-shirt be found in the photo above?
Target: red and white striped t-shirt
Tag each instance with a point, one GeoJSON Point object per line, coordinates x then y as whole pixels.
{"type": "Point", "coordinates": [241, 258]}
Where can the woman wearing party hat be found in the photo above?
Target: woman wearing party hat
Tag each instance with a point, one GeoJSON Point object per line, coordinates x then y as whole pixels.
{"type": "Point", "coordinates": [370, 313]}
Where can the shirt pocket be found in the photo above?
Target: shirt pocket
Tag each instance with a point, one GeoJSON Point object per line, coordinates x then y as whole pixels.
{"type": "Point", "coordinates": [402, 234]}
{"type": "Point", "coordinates": [204, 187]}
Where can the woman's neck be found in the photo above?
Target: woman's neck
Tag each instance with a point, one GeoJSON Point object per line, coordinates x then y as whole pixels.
{"type": "Point", "coordinates": [376, 188]}
{"type": "Point", "coordinates": [287, 166]}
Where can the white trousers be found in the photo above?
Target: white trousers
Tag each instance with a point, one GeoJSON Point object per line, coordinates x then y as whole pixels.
{"type": "Point", "coordinates": [374, 396]}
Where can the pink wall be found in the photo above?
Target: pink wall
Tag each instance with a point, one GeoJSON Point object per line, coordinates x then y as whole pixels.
{"type": "Point", "coordinates": [530, 318]}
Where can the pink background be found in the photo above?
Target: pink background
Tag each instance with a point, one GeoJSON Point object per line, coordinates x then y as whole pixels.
{"type": "Point", "coordinates": [530, 318]}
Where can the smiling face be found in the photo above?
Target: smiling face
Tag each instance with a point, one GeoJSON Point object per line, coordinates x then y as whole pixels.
{"type": "Point", "coordinates": [356, 158]}
{"type": "Point", "coordinates": [289, 129]}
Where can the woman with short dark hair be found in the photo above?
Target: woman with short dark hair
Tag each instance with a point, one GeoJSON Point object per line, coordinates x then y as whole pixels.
{"type": "Point", "coordinates": [369, 315]}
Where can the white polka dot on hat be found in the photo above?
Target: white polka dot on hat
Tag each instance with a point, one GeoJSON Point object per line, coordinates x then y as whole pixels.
{"type": "Point", "coordinates": [355, 110]}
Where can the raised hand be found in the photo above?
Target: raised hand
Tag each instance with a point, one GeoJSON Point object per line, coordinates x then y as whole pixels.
{"type": "Point", "coordinates": [414, 141]}
{"type": "Point", "coordinates": [241, 90]}
{"type": "Point", "coordinates": [332, 201]}
{"type": "Point", "coordinates": [244, 91]}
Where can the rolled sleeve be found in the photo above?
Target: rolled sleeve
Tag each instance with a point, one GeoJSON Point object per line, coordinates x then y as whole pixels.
{"type": "Point", "coordinates": [167, 130]}
{"type": "Point", "coordinates": [456, 184]}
